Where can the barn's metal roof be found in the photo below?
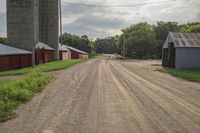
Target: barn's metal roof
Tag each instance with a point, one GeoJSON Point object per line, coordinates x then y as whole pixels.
{"type": "Point", "coordinates": [77, 50]}
{"type": "Point", "coordinates": [183, 39]}
{"type": "Point", "coordinates": [41, 45]}
{"type": "Point", "coordinates": [8, 50]}
{"type": "Point", "coordinates": [63, 47]}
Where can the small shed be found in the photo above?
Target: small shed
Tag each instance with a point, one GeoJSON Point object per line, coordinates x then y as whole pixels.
{"type": "Point", "coordinates": [182, 51]}
{"type": "Point", "coordinates": [77, 54]}
{"type": "Point", "coordinates": [43, 53]}
{"type": "Point", "coordinates": [64, 52]}
{"type": "Point", "coordinates": [13, 58]}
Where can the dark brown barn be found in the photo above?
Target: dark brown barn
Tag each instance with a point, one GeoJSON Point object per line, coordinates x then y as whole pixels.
{"type": "Point", "coordinates": [13, 58]}
{"type": "Point", "coordinates": [77, 54]}
{"type": "Point", "coordinates": [43, 53]}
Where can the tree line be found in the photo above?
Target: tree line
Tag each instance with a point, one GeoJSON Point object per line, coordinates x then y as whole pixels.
{"type": "Point", "coordinates": [143, 40]}
{"type": "Point", "coordinates": [139, 41]}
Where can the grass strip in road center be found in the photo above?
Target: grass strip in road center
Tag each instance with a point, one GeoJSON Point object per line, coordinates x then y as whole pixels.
{"type": "Point", "coordinates": [51, 66]}
{"type": "Point", "coordinates": [13, 93]}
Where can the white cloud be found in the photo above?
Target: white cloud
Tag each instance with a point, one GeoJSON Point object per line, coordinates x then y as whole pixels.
{"type": "Point", "coordinates": [102, 22]}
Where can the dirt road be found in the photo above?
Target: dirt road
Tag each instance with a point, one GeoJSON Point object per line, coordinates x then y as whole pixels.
{"type": "Point", "coordinates": [108, 96]}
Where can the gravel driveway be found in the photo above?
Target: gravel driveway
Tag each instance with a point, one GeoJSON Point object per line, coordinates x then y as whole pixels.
{"type": "Point", "coordinates": [110, 96]}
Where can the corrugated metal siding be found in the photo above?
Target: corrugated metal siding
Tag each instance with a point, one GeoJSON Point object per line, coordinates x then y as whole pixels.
{"type": "Point", "coordinates": [43, 55]}
{"type": "Point", "coordinates": [187, 58]}
{"type": "Point", "coordinates": [74, 54]}
{"type": "Point", "coordinates": [183, 40]}
{"type": "Point", "coordinates": [15, 61]}
{"type": "Point", "coordinates": [48, 55]}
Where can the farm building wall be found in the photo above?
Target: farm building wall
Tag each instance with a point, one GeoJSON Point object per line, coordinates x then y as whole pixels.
{"type": "Point", "coordinates": [83, 56]}
{"type": "Point", "coordinates": [15, 61]}
{"type": "Point", "coordinates": [187, 58]}
{"type": "Point", "coordinates": [64, 55]}
{"type": "Point", "coordinates": [74, 54]}
{"type": "Point", "coordinates": [49, 55]}
{"type": "Point", "coordinates": [43, 55]}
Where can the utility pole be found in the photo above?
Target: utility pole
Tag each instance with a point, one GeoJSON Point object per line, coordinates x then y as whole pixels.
{"type": "Point", "coordinates": [124, 46]}
{"type": "Point", "coordinates": [60, 11]}
{"type": "Point", "coordinates": [35, 28]}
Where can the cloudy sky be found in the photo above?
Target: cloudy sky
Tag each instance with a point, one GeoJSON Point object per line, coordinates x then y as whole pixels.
{"type": "Point", "coordinates": [107, 21]}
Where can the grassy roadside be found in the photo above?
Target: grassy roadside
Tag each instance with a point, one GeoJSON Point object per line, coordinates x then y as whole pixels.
{"type": "Point", "coordinates": [191, 75]}
{"type": "Point", "coordinates": [13, 93]}
{"type": "Point", "coordinates": [51, 66]}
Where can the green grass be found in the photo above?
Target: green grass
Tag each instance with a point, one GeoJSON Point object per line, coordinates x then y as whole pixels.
{"type": "Point", "coordinates": [191, 75]}
{"type": "Point", "coordinates": [119, 57]}
{"type": "Point", "coordinates": [51, 66]}
{"type": "Point", "coordinates": [13, 93]}
{"type": "Point", "coordinates": [95, 56]}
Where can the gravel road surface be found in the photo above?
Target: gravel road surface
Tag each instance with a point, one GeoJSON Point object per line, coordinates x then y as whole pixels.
{"type": "Point", "coordinates": [110, 96]}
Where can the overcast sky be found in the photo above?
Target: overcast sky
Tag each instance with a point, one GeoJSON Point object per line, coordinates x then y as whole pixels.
{"type": "Point", "coordinates": [102, 22]}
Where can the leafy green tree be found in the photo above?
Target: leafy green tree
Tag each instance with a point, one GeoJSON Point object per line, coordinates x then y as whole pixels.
{"type": "Point", "coordinates": [163, 28]}
{"type": "Point", "coordinates": [85, 44]}
{"type": "Point", "coordinates": [82, 43]}
{"type": "Point", "coordinates": [140, 40]}
{"type": "Point", "coordinates": [70, 40]}
{"type": "Point", "coordinates": [106, 45]}
{"type": "Point", "coordinates": [190, 28]}
{"type": "Point", "coordinates": [119, 43]}
{"type": "Point", "coordinates": [3, 40]}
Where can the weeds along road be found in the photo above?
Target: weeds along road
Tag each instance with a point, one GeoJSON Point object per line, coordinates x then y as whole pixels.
{"type": "Point", "coordinates": [108, 96]}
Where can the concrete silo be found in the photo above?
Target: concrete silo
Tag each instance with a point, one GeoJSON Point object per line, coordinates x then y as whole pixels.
{"type": "Point", "coordinates": [49, 24]}
{"type": "Point", "coordinates": [21, 24]}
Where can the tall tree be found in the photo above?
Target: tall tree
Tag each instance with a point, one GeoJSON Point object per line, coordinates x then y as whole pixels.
{"type": "Point", "coordinates": [163, 28]}
{"type": "Point", "coordinates": [140, 40]}
{"type": "Point", "coordinates": [85, 44]}
{"type": "Point", "coordinates": [106, 45]}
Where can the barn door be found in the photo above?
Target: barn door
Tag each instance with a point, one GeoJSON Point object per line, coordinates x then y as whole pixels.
{"type": "Point", "coordinates": [171, 56]}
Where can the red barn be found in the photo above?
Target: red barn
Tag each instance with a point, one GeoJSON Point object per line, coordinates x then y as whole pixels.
{"type": "Point", "coordinates": [77, 54]}
{"type": "Point", "coordinates": [64, 53]}
{"type": "Point", "coordinates": [43, 53]}
{"type": "Point", "coordinates": [13, 58]}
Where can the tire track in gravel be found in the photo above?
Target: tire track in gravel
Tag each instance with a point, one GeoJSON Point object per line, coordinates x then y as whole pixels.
{"type": "Point", "coordinates": [164, 100]}
{"type": "Point", "coordinates": [183, 90]}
